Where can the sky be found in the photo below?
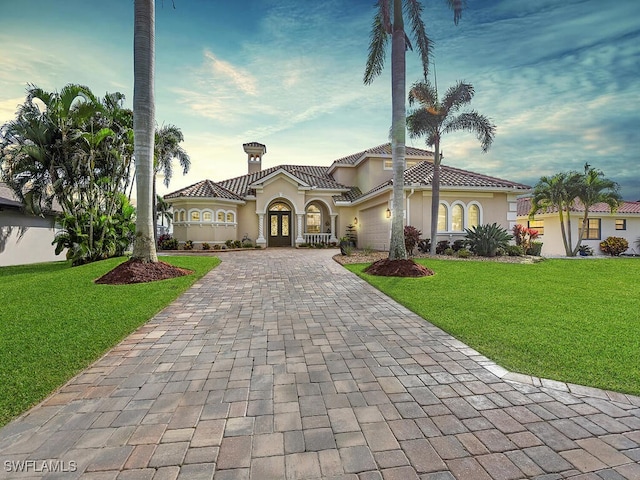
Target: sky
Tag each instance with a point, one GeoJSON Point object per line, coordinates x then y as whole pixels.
{"type": "Point", "coordinates": [559, 78]}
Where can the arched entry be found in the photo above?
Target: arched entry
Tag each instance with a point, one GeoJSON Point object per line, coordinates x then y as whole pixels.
{"type": "Point", "coordinates": [279, 225]}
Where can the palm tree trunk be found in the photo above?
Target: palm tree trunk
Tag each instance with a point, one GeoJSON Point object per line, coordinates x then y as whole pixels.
{"type": "Point", "coordinates": [397, 249]}
{"type": "Point", "coordinates": [581, 232]}
{"type": "Point", "coordinates": [144, 248]}
{"type": "Point", "coordinates": [435, 197]}
{"type": "Point", "coordinates": [563, 230]}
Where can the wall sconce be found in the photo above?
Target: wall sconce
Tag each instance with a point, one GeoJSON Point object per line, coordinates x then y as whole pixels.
{"type": "Point", "coordinates": [355, 221]}
{"type": "Point", "coordinates": [388, 213]}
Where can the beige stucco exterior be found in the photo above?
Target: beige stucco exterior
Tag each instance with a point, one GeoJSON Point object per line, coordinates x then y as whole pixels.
{"type": "Point", "coordinates": [26, 238]}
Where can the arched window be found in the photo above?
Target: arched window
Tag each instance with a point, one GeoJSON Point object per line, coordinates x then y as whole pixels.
{"type": "Point", "coordinates": [442, 218]}
{"type": "Point", "coordinates": [474, 216]}
{"type": "Point", "coordinates": [314, 219]}
{"type": "Point", "coordinates": [195, 216]}
{"type": "Point", "coordinates": [220, 216]}
{"type": "Point", "coordinates": [183, 216]}
{"type": "Point", "coordinates": [279, 207]}
{"type": "Point", "coordinates": [230, 217]}
{"type": "Point", "coordinates": [206, 216]}
{"type": "Point", "coordinates": [457, 218]}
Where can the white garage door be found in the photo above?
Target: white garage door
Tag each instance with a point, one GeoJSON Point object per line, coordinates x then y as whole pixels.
{"type": "Point", "coordinates": [374, 228]}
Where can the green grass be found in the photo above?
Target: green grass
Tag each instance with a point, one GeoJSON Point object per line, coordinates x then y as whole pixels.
{"type": "Point", "coordinates": [54, 321]}
{"type": "Point", "coordinates": [568, 320]}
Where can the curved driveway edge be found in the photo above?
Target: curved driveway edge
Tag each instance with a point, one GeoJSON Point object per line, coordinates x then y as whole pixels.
{"type": "Point", "coordinates": [284, 365]}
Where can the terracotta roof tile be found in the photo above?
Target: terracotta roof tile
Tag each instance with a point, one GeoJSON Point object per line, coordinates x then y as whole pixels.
{"type": "Point", "coordinates": [204, 189]}
{"type": "Point", "coordinates": [384, 149]}
{"type": "Point", "coordinates": [524, 206]}
{"type": "Point", "coordinates": [422, 174]}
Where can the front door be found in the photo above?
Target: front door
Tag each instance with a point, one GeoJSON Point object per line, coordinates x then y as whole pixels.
{"type": "Point", "coordinates": [279, 226]}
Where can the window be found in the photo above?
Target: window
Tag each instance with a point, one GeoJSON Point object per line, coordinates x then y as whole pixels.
{"type": "Point", "coordinates": [442, 218]}
{"type": "Point", "coordinates": [388, 164]}
{"type": "Point", "coordinates": [314, 219]}
{"type": "Point", "coordinates": [279, 207]}
{"type": "Point", "coordinates": [474, 216]}
{"type": "Point", "coordinates": [621, 224]}
{"type": "Point", "coordinates": [220, 216]}
{"type": "Point", "coordinates": [457, 214]}
{"type": "Point", "coordinates": [593, 229]}
{"type": "Point", "coordinates": [206, 216]}
{"type": "Point", "coordinates": [183, 216]}
{"type": "Point", "coordinates": [195, 216]}
{"type": "Point", "coordinates": [537, 225]}
{"type": "Point", "coordinates": [230, 217]}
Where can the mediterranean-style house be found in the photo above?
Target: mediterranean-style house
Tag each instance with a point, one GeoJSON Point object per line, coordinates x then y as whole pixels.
{"type": "Point", "coordinates": [602, 223]}
{"type": "Point", "coordinates": [24, 238]}
{"type": "Point", "coordinates": [290, 205]}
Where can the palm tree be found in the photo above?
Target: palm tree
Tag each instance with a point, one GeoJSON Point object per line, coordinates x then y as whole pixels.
{"type": "Point", "coordinates": [383, 26]}
{"type": "Point", "coordinates": [167, 148]}
{"type": "Point", "coordinates": [595, 188]}
{"type": "Point", "coordinates": [435, 118]}
{"type": "Point", "coordinates": [144, 248]}
{"type": "Point", "coordinates": [163, 211]}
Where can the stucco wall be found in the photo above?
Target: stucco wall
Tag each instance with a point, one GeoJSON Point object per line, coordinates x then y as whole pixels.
{"type": "Point", "coordinates": [33, 246]}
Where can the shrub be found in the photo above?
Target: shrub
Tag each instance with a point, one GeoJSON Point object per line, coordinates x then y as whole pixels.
{"type": "Point", "coordinates": [524, 237]}
{"type": "Point", "coordinates": [514, 250]}
{"type": "Point", "coordinates": [614, 246]}
{"type": "Point", "coordinates": [229, 243]}
{"type": "Point", "coordinates": [167, 242]}
{"type": "Point", "coordinates": [485, 240]}
{"type": "Point", "coordinates": [449, 252]}
{"type": "Point", "coordinates": [411, 238]}
{"type": "Point", "coordinates": [237, 244]}
{"type": "Point", "coordinates": [206, 246]}
{"type": "Point", "coordinates": [424, 245]}
{"type": "Point", "coordinates": [367, 250]}
{"type": "Point", "coordinates": [247, 245]}
{"type": "Point", "coordinates": [188, 245]}
{"type": "Point", "coordinates": [463, 253]}
{"type": "Point", "coordinates": [459, 245]}
{"type": "Point", "coordinates": [441, 246]}
{"type": "Point", "coordinates": [217, 246]}
{"type": "Point", "coordinates": [535, 249]}
{"type": "Point", "coordinates": [585, 250]}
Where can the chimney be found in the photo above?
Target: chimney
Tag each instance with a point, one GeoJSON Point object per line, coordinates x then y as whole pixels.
{"type": "Point", "coordinates": [254, 151]}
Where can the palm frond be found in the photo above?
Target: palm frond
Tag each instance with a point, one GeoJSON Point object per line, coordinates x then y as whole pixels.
{"type": "Point", "coordinates": [475, 123]}
{"type": "Point", "coordinates": [379, 38]}
{"type": "Point", "coordinates": [422, 41]}
{"type": "Point", "coordinates": [421, 122]}
{"type": "Point", "coordinates": [457, 95]}
{"type": "Point", "coordinates": [424, 93]}
{"type": "Point", "coordinates": [457, 6]}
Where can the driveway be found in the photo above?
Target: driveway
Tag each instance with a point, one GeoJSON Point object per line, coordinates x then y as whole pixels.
{"type": "Point", "coordinates": [280, 364]}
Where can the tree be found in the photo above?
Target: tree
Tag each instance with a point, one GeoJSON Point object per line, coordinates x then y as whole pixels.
{"type": "Point", "coordinates": [563, 190]}
{"type": "Point", "coordinates": [167, 148]}
{"type": "Point", "coordinates": [385, 24]}
{"type": "Point", "coordinates": [162, 211]}
{"type": "Point", "coordinates": [434, 118]}
{"type": "Point", "coordinates": [144, 248]}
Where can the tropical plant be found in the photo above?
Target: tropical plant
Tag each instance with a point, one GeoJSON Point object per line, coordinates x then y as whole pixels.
{"type": "Point", "coordinates": [524, 236]}
{"type": "Point", "coordinates": [614, 246]}
{"type": "Point", "coordinates": [206, 246]}
{"type": "Point", "coordinates": [188, 245]}
{"type": "Point", "coordinates": [167, 148]}
{"type": "Point", "coordinates": [163, 211]}
{"type": "Point", "coordinates": [143, 126]}
{"type": "Point", "coordinates": [441, 246]}
{"type": "Point", "coordinates": [167, 242]}
{"type": "Point", "coordinates": [562, 191]}
{"type": "Point", "coordinates": [434, 118]}
{"type": "Point", "coordinates": [585, 250]}
{"type": "Point", "coordinates": [485, 240]}
{"type": "Point", "coordinates": [389, 21]}
{"type": "Point", "coordinates": [411, 238]}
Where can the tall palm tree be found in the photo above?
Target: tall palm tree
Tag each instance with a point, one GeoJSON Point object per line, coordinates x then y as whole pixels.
{"type": "Point", "coordinates": [390, 22]}
{"type": "Point", "coordinates": [434, 118]}
{"type": "Point", "coordinates": [163, 211]}
{"type": "Point", "coordinates": [144, 248]}
{"type": "Point", "coordinates": [595, 188]}
{"type": "Point", "coordinates": [167, 148]}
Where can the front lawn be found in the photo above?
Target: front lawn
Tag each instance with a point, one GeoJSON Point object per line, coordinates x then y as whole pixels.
{"type": "Point", "coordinates": [575, 321]}
{"type": "Point", "coordinates": [54, 321]}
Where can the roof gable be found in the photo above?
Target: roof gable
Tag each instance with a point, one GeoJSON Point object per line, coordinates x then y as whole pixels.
{"type": "Point", "coordinates": [383, 150]}
{"type": "Point", "coordinates": [204, 189]}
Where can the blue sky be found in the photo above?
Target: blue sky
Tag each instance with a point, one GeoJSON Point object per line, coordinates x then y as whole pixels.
{"type": "Point", "coordinates": [560, 79]}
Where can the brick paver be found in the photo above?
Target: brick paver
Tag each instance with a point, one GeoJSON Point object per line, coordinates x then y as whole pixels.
{"type": "Point", "coordinates": [282, 364]}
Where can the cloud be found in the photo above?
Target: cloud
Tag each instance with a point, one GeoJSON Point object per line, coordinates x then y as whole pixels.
{"type": "Point", "coordinates": [8, 108]}
{"type": "Point", "coordinates": [230, 75]}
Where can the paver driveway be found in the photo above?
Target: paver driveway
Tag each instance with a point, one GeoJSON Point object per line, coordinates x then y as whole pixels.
{"type": "Point", "coordinates": [283, 365]}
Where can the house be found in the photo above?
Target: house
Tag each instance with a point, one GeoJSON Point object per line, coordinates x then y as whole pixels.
{"type": "Point", "coordinates": [289, 205]}
{"type": "Point", "coordinates": [602, 223]}
{"type": "Point", "coordinates": [24, 238]}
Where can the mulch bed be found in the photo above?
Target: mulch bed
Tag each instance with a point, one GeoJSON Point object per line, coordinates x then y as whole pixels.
{"type": "Point", "coordinates": [136, 271]}
{"type": "Point", "coordinates": [398, 268]}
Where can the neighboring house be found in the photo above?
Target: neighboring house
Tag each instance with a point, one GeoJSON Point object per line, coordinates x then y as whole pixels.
{"type": "Point", "coordinates": [289, 205]}
{"type": "Point", "coordinates": [24, 238]}
{"type": "Point", "coordinates": [624, 222]}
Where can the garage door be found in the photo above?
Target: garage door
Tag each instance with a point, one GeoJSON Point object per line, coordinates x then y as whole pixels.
{"type": "Point", "coordinates": [374, 228]}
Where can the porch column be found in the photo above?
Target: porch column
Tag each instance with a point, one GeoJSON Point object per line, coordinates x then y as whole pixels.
{"type": "Point", "coordinates": [299, 237]}
{"type": "Point", "coordinates": [261, 240]}
{"type": "Point", "coordinates": [333, 229]}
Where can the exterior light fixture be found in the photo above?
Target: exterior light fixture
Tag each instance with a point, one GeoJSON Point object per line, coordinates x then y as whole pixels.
{"type": "Point", "coordinates": [388, 213]}
{"type": "Point", "coordinates": [355, 221]}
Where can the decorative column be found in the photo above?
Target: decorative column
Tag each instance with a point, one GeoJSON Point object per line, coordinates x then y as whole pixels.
{"type": "Point", "coordinates": [333, 229]}
{"type": "Point", "coordinates": [299, 237]}
{"type": "Point", "coordinates": [261, 240]}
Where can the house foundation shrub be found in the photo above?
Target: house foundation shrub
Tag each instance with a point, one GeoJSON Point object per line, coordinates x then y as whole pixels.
{"type": "Point", "coordinates": [486, 240]}
{"type": "Point", "coordinates": [167, 242]}
{"type": "Point", "coordinates": [188, 245]}
{"type": "Point", "coordinates": [206, 246]}
{"type": "Point", "coordinates": [411, 238]}
{"type": "Point", "coordinates": [614, 246]}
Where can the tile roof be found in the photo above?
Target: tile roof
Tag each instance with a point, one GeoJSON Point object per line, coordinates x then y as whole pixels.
{"type": "Point", "coordinates": [204, 189]}
{"type": "Point", "coordinates": [422, 174]}
{"type": "Point", "coordinates": [524, 206]}
{"type": "Point", "coordinates": [384, 149]}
